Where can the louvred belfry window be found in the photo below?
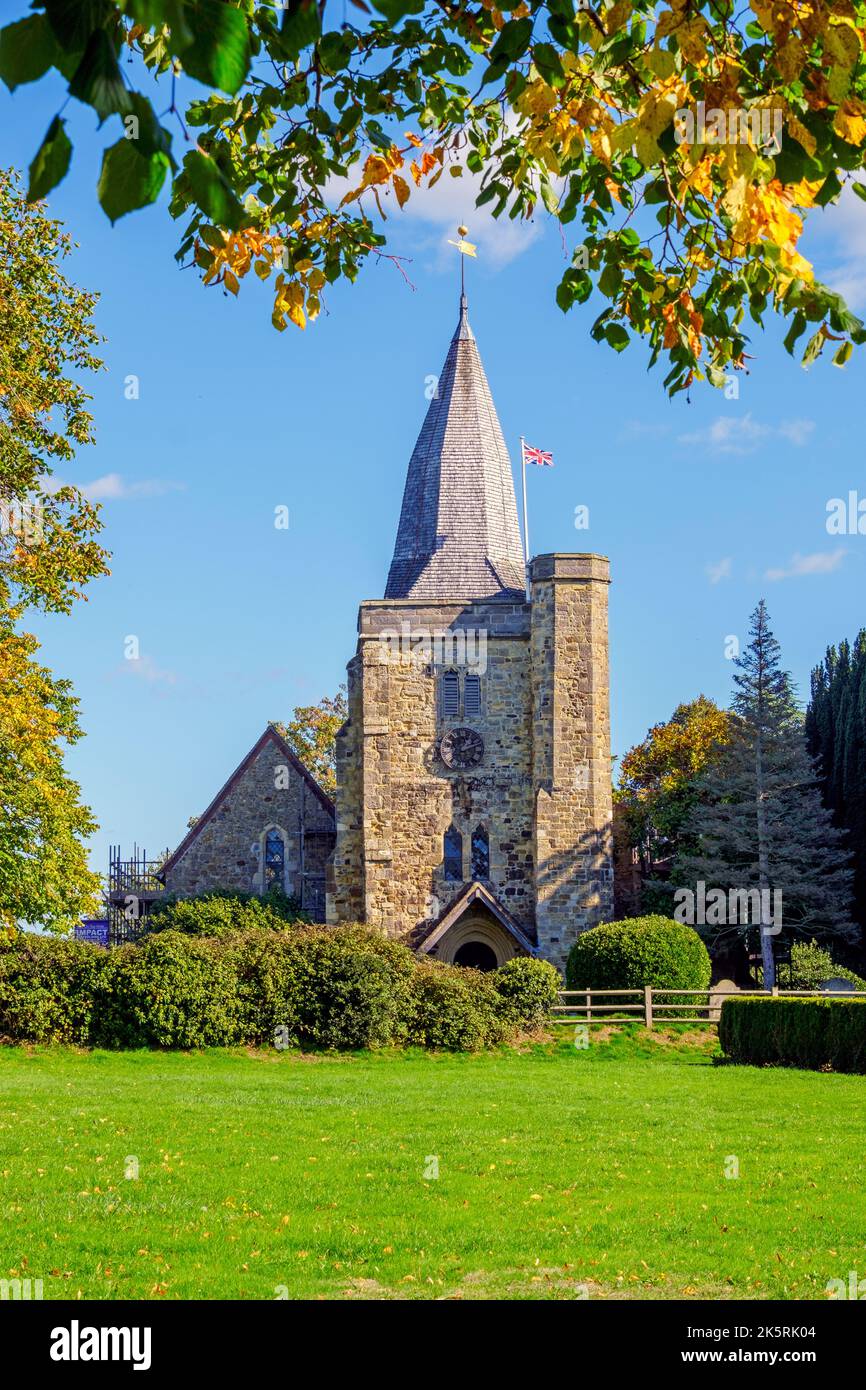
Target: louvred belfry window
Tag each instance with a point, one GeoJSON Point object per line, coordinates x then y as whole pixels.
{"type": "Point", "coordinates": [275, 861]}
{"type": "Point", "coordinates": [472, 696]}
{"type": "Point", "coordinates": [450, 695]}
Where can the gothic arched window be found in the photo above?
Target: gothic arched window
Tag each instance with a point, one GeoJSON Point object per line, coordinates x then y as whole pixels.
{"type": "Point", "coordinates": [472, 696]}
{"type": "Point", "coordinates": [480, 853]}
{"type": "Point", "coordinates": [450, 695]}
{"type": "Point", "coordinates": [275, 861]}
{"type": "Point", "coordinates": [452, 855]}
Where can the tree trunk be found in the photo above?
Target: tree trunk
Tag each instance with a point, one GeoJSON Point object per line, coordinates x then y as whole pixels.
{"type": "Point", "coordinates": [767, 958]}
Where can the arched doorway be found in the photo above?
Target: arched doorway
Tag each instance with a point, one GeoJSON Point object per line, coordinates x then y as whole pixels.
{"type": "Point", "coordinates": [477, 955]}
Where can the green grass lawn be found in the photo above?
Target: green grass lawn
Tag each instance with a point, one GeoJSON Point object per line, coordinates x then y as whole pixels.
{"type": "Point", "coordinates": [556, 1169]}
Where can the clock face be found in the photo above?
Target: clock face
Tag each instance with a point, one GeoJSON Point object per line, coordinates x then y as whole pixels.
{"type": "Point", "coordinates": [461, 748]}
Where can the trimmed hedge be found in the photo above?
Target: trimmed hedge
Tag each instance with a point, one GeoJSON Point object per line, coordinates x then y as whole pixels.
{"type": "Point", "coordinates": [636, 952]}
{"type": "Point", "coordinates": [818, 1034]}
{"type": "Point", "coordinates": [344, 987]}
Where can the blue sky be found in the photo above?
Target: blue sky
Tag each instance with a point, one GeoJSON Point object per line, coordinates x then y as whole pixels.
{"type": "Point", "coordinates": [702, 507]}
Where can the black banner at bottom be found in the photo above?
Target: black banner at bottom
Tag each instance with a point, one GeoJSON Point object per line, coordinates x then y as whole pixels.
{"type": "Point", "coordinates": [621, 1337]}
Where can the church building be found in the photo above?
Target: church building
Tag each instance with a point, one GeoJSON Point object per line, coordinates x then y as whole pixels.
{"type": "Point", "coordinates": [473, 809]}
{"type": "Point", "coordinates": [473, 772]}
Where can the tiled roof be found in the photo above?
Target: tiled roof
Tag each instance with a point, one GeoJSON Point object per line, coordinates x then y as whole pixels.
{"type": "Point", "coordinates": [458, 535]}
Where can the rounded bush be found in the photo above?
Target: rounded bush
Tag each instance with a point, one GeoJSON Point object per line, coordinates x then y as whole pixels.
{"type": "Point", "coordinates": [637, 952]}
{"type": "Point", "coordinates": [527, 989]}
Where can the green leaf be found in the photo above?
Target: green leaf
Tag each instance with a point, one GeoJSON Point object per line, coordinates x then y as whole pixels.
{"type": "Point", "coordinates": [300, 25]}
{"type": "Point", "coordinates": [546, 59]}
{"type": "Point", "coordinates": [842, 353]}
{"type": "Point", "coordinates": [154, 13]}
{"type": "Point", "coordinates": [860, 190]}
{"type": "Point", "coordinates": [212, 192]}
{"type": "Point", "coordinates": [27, 50]}
{"type": "Point", "coordinates": [813, 348]}
{"type": "Point", "coordinates": [74, 21]}
{"type": "Point", "coordinates": [144, 130]}
{"type": "Point", "coordinates": [51, 162]}
{"type": "Point", "coordinates": [829, 190]}
{"type": "Point", "coordinates": [129, 179]}
{"type": "Point", "coordinates": [513, 40]}
{"type": "Point", "coordinates": [219, 54]}
{"type": "Point", "coordinates": [393, 10]}
{"type": "Point", "coordinates": [798, 326]}
{"type": "Point", "coordinates": [97, 80]}
{"type": "Point", "coordinates": [616, 336]}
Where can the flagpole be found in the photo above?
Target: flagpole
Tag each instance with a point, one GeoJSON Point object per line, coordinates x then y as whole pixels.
{"type": "Point", "coordinates": [525, 520]}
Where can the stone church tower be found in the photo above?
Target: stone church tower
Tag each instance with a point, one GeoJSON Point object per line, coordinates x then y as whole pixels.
{"type": "Point", "coordinates": [474, 776]}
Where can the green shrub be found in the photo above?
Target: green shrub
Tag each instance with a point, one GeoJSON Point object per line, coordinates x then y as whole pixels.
{"type": "Point", "coordinates": [527, 989]}
{"type": "Point", "coordinates": [312, 986]}
{"type": "Point", "coordinates": [811, 966]}
{"type": "Point", "coordinates": [169, 990]}
{"type": "Point", "coordinates": [221, 914]}
{"type": "Point", "coordinates": [636, 952]}
{"type": "Point", "coordinates": [47, 988]}
{"type": "Point", "coordinates": [349, 987]}
{"type": "Point", "coordinates": [454, 1008]}
{"type": "Point", "coordinates": [812, 1033]}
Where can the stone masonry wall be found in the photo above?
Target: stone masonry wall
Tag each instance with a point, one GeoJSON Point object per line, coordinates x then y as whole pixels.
{"type": "Point", "coordinates": [571, 749]}
{"type": "Point", "coordinates": [404, 796]}
{"type": "Point", "coordinates": [270, 792]}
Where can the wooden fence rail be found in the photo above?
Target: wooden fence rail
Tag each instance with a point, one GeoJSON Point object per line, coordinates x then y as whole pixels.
{"type": "Point", "coordinates": [702, 1006]}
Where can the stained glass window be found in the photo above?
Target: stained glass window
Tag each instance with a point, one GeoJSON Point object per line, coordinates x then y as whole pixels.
{"type": "Point", "coordinates": [453, 854]}
{"type": "Point", "coordinates": [275, 861]}
{"type": "Point", "coordinates": [480, 853]}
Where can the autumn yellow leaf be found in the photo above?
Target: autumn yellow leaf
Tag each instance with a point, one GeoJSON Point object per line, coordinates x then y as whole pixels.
{"type": "Point", "coordinates": [849, 123]}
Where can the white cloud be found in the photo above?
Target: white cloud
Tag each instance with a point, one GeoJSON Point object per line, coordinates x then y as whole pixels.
{"type": "Point", "coordinates": [839, 254]}
{"type": "Point", "coordinates": [642, 429]}
{"type": "Point", "coordinates": [144, 668]}
{"type": "Point", "coordinates": [820, 562]}
{"type": "Point", "coordinates": [741, 434]}
{"type": "Point", "coordinates": [112, 487]}
{"type": "Point", "coordinates": [720, 571]}
{"type": "Point", "coordinates": [796, 431]}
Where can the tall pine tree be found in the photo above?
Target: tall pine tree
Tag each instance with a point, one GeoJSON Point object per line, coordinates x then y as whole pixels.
{"type": "Point", "coordinates": [759, 822]}
{"type": "Point", "coordinates": [836, 736]}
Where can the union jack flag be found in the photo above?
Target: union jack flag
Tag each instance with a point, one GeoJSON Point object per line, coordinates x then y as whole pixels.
{"type": "Point", "coordinates": [537, 456]}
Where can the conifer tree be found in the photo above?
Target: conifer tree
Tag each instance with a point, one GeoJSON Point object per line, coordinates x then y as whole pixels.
{"type": "Point", "coordinates": [759, 822]}
{"type": "Point", "coordinates": [836, 737]}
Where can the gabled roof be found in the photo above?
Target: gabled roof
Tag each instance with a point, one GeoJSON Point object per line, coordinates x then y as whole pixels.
{"type": "Point", "coordinates": [475, 893]}
{"type": "Point", "coordinates": [458, 535]}
{"type": "Point", "coordinates": [271, 735]}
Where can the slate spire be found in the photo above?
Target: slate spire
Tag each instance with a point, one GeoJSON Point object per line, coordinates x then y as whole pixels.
{"type": "Point", "coordinates": [458, 536]}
